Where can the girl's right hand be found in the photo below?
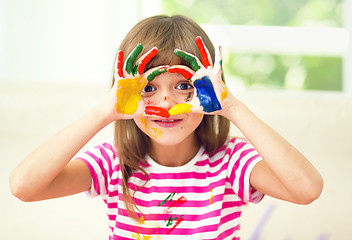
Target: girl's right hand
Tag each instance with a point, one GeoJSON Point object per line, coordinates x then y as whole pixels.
{"type": "Point", "coordinates": [124, 100]}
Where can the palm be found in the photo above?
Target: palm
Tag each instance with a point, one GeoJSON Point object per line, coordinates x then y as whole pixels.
{"type": "Point", "coordinates": [206, 78]}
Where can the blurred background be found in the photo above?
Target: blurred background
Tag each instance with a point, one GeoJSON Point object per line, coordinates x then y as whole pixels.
{"type": "Point", "coordinates": [290, 61]}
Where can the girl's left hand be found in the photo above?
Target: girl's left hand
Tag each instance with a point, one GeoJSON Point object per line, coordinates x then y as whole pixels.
{"type": "Point", "coordinates": [211, 96]}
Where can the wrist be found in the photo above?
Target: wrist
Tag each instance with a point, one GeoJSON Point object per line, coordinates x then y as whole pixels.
{"type": "Point", "coordinates": [102, 115]}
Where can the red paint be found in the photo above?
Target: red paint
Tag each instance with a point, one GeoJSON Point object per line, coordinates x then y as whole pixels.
{"type": "Point", "coordinates": [119, 63]}
{"type": "Point", "coordinates": [165, 98]}
{"type": "Point", "coordinates": [147, 59]}
{"type": "Point", "coordinates": [203, 52]}
{"type": "Point", "coordinates": [176, 204]}
{"type": "Point", "coordinates": [185, 73]}
{"type": "Point", "coordinates": [152, 110]}
{"type": "Point", "coordinates": [176, 224]}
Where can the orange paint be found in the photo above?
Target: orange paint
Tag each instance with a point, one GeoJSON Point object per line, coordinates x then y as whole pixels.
{"type": "Point", "coordinates": [128, 94]}
{"type": "Point", "coordinates": [212, 197]}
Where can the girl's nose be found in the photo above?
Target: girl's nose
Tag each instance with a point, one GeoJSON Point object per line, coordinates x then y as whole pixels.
{"type": "Point", "coordinates": [166, 102]}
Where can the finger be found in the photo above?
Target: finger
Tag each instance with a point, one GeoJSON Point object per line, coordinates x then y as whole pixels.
{"type": "Point", "coordinates": [183, 70]}
{"type": "Point", "coordinates": [131, 59]}
{"type": "Point", "coordinates": [154, 72]}
{"type": "Point", "coordinates": [218, 60]}
{"type": "Point", "coordinates": [157, 111]}
{"type": "Point", "coordinates": [206, 57]}
{"type": "Point", "coordinates": [145, 59]}
{"type": "Point", "coordinates": [191, 59]}
{"type": "Point", "coordinates": [119, 63]}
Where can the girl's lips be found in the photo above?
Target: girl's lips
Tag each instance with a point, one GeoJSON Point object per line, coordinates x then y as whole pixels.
{"type": "Point", "coordinates": [167, 123]}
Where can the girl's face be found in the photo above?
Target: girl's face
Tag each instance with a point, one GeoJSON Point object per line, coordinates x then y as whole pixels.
{"type": "Point", "coordinates": [165, 91]}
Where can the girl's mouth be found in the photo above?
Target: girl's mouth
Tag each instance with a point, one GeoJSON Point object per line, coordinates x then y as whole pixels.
{"type": "Point", "coordinates": [167, 123]}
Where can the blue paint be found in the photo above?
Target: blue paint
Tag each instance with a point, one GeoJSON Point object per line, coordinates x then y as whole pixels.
{"type": "Point", "coordinates": [206, 95]}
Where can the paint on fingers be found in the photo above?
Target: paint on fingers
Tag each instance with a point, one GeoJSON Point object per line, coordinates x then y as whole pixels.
{"type": "Point", "coordinates": [157, 111]}
{"type": "Point", "coordinates": [119, 65]}
{"type": "Point", "coordinates": [132, 58]}
{"type": "Point", "coordinates": [188, 58]}
{"type": "Point", "coordinates": [185, 73]}
{"type": "Point", "coordinates": [206, 95]}
{"type": "Point", "coordinates": [203, 52]}
{"type": "Point", "coordinates": [128, 94]}
{"type": "Point", "coordinates": [180, 109]}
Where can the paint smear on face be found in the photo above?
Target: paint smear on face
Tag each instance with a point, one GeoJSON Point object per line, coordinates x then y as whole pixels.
{"type": "Point", "coordinates": [156, 132]}
{"type": "Point", "coordinates": [153, 132]}
{"type": "Point", "coordinates": [129, 94]}
{"type": "Point", "coordinates": [180, 109]}
{"type": "Point", "coordinates": [206, 95]}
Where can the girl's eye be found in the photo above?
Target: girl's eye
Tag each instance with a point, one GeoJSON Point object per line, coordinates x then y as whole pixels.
{"type": "Point", "coordinates": [184, 86]}
{"type": "Point", "coordinates": [149, 88]}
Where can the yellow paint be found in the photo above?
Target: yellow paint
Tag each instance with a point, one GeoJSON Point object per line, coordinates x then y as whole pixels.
{"type": "Point", "coordinates": [224, 94]}
{"type": "Point", "coordinates": [212, 196]}
{"type": "Point", "coordinates": [154, 132]}
{"type": "Point", "coordinates": [180, 109]}
{"type": "Point", "coordinates": [128, 94]}
{"type": "Point", "coordinates": [144, 122]}
{"type": "Point", "coordinates": [157, 132]}
{"type": "Point", "coordinates": [139, 236]}
{"type": "Point", "coordinates": [141, 220]}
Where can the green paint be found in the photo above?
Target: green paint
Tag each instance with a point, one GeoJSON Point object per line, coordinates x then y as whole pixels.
{"type": "Point", "coordinates": [188, 97]}
{"type": "Point", "coordinates": [171, 195]}
{"type": "Point", "coordinates": [132, 58]}
{"type": "Point", "coordinates": [156, 73]}
{"type": "Point", "coordinates": [189, 58]}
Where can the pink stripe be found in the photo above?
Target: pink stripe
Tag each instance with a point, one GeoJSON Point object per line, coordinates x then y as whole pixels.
{"type": "Point", "coordinates": [189, 203]}
{"type": "Point", "coordinates": [229, 232]}
{"type": "Point", "coordinates": [103, 170]}
{"type": "Point", "coordinates": [186, 175]}
{"type": "Point", "coordinates": [242, 176]}
{"type": "Point", "coordinates": [206, 162]}
{"type": "Point", "coordinates": [237, 164]}
{"type": "Point", "coordinates": [179, 190]}
{"type": "Point", "coordinates": [107, 158]}
{"type": "Point", "coordinates": [94, 176]}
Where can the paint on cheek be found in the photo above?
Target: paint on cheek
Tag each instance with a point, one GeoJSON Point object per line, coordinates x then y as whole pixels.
{"type": "Point", "coordinates": [152, 110]}
{"type": "Point", "coordinates": [156, 132]}
{"type": "Point", "coordinates": [128, 94]}
{"type": "Point", "coordinates": [206, 95]}
{"type": "Point", "coordinates": [153, 132]}
{"type": "Point", "coordinates": [180, 109]}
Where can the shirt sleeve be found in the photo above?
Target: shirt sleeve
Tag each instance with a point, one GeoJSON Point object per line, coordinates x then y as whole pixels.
{"type": "Point", "coordinates": [243, 158]}
{"type": "Point", "coordinates": [101, 161]}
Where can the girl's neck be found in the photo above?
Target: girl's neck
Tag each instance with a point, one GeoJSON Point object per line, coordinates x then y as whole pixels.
{"type": "Point", "coordinates": [175, 155]}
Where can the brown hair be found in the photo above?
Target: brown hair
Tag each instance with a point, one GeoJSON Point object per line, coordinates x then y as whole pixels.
{"type": "Point", "coordinates": [167, 34]}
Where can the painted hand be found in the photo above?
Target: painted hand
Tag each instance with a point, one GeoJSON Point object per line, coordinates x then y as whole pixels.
{"type": "Point", "coordinates": [205, 77]}
{"type": "Point", "coordinates": [129, 82]}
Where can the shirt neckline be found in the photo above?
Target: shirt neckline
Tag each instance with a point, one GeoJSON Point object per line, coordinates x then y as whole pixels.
{"type": "Point", "coordinates": [179, 169]}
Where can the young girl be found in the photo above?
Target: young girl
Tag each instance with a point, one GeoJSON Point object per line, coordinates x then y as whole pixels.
{"type": "Point", "coordinates": [171, 169]}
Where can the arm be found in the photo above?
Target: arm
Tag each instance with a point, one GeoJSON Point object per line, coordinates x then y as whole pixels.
{"type": "Point", "coordinates": [48, 171]}
{"type": "Point", "coordinates": [285, 173]}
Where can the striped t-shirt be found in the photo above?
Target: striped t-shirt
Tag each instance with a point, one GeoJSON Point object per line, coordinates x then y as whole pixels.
{"type": "Point", "coordinates": [202, 199]}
